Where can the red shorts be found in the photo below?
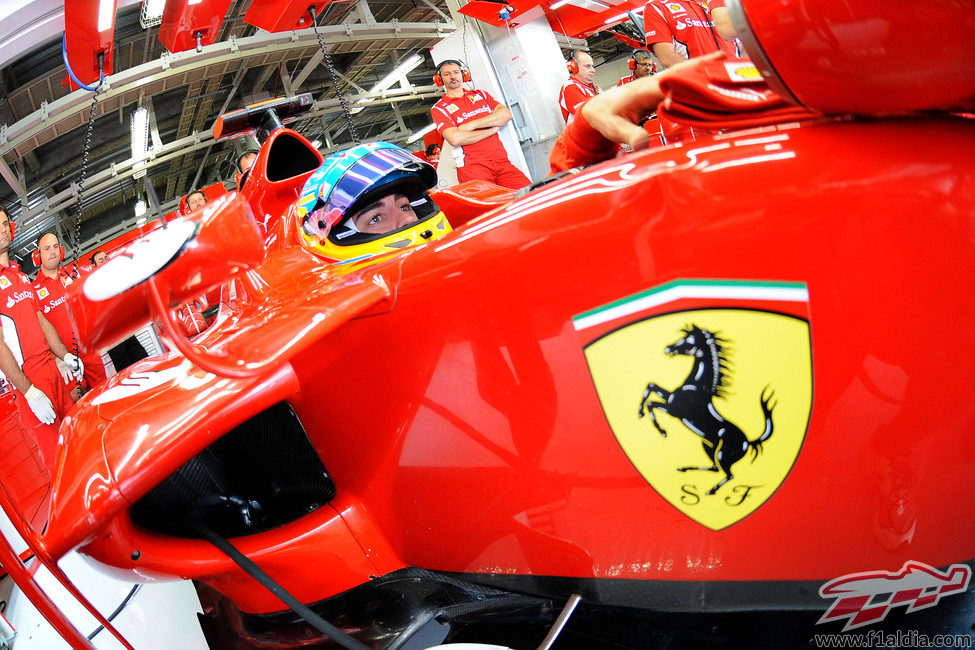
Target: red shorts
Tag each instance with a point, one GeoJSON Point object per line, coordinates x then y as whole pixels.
{"type": "Point", "coordinates": [47, 378]}
{"type": "Point", "coordinates": [499, 172]}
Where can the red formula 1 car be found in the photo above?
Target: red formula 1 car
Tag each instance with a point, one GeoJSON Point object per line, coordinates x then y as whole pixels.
{"type": "Point", "coordinates": [717, 390]}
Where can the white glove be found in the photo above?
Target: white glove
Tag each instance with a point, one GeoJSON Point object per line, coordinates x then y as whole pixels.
{"type": "Point", "coordinates": [74, 365]}
{"type": "Point", "coordinates": [40, 405]}
{"type": "Point", "coordinates": [63, 370]}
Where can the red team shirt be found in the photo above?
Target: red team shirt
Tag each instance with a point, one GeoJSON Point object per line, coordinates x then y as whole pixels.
{"type": "Point", "coordinates": [687, 25]}
{"type": "Point", "coordinates": [625, 80]}
{"type": "Point", "coordinates": [52, 296]}
{"type": "Point", "coordinates": [454, 111]}
{"type": "Point", "coordinates": [23, 335]}
{"type": "Point", "coordinates": [573, 94]}
{"type": "Point", "coordinates": [18, 319]}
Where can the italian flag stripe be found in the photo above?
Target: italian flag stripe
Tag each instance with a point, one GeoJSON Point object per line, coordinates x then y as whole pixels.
{"type": "Point", "coordinates": [680, 289]}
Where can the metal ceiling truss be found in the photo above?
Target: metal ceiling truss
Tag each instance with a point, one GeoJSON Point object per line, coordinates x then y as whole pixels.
{"type": "Point", "coordinates": [203, 71]}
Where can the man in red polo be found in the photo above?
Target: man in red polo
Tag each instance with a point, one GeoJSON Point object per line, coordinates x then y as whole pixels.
{"type": "Point", "coordinates": [50, 285]}
{"type": "Point", "coordinates": [27, 349]}
{"type": "Point", "coordinates": [469, 120]}
{"type": "Point", "coordinates": [677, 30]}
{"type": "Point", "coordinates": [642, 65]}
{"type": "Point", "coordinates": [579, 87]}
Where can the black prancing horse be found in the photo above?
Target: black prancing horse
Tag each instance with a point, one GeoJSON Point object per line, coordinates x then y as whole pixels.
{"type": "Point", "coordinates": [692, 403]}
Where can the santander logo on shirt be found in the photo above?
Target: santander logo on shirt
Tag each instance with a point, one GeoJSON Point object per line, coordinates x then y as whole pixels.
{"type": "Point", "coordinates": [54, 303]}
{"type": "Point", "coordinates": [17, 296]}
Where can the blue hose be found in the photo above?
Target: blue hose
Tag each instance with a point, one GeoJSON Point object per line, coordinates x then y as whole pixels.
{"type": "Point", "coordinates": [64, 54]}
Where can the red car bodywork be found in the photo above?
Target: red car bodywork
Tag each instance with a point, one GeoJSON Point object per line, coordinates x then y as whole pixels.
{"type": "Point", "coordinates": [454, 409]}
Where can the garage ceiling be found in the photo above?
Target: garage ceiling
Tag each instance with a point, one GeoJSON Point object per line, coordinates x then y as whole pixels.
{"type": "Point", "coordinates": [43, 124]}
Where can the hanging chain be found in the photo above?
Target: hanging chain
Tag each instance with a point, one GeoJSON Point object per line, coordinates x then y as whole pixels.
{"type": "Point", "coordinates": [335, 79]}
{"type": "Point", "coordinates": [75, 273]}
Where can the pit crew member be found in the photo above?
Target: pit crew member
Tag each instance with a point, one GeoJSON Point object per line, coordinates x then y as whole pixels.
{"type": "Point", "coordinates": [579, 87]}
{"type": "Point", "coordinates": [642, 65]}
{"type": "Point", "coordinates": [27, 350]}
{"type": "Point", "coordinates": [50, 285]}
{"type": "Point", "coordinates": [681, 29]}
{"type": "Point", "coordinates": [469, 120]}
{"type": "Point", "coordinates": [196, 200]}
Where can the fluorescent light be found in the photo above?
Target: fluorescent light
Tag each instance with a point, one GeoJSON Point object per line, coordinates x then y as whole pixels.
{"type": "Point", "coordinates": [401, 70]}
{"type": "Point", "coordinates": [316, 143]}
{"type": "Point", "coordinates": [106, 14]}
{"type": "Point", "coordinates": [140, 140]}
{"type": "Point", "coordinates": [152, 11]}
{"type": "Point", "coordinates": [140, 208]}
{"type": "Point", "coordinates": [422, 132]}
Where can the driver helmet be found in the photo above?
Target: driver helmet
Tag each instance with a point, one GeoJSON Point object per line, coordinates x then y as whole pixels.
{"type": "Point", "coordinates": [350, 180]}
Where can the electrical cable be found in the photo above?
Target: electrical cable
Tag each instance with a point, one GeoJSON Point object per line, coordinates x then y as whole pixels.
{"type": "Point", "coordinates": [335, 78]}
{"type": "Point", "coordinates": [67, 64]}
{"type": "Point", "coordinates": [245, 563]}
{"type": "Point", "coordinates": [86, 147]}
{"type": "Point", "coordinates": [118, 610]}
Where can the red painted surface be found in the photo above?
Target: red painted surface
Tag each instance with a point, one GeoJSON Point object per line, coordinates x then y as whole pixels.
{"type": "Point", "coordinates": [568, 19]}
{"type": "Point", "coordinates": [84, 41]}
{"type": "Point", "coordinates": [284, 15]}
{"type": "Point", "coordinates": [183, 20]}
{"type": "Point", "coordinates": [491, 453]}
{"type": "Point", "coordinates": [839, 58]}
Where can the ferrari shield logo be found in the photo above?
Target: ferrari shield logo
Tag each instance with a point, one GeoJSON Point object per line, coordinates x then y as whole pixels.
{"type": "Point", "coordinates": [707, 387]}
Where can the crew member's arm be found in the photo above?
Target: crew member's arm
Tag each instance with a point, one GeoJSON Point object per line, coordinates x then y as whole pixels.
{"type": "Point", "coordinates": [456, 137]}
{"type": "Point", "coordinates": [500, 116]}
{"type": "Point", "coordinates": [12, 370]}
{"type": "Point", "coordinates": [722, 19]}
{"type": "Point", "coordinates": [659, 36]}
{"type": "Point", "coordinates": [51, 335]}
{"type": "Point", "coordinates": [37, 401]}
{"type": "Point", "coordinates": [614, 117]}
{"type": "Point", "coordinates": [667, 54]}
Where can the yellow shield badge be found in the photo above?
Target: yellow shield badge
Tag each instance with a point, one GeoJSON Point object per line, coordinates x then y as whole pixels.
{"type": "Point", "coordinates": [707, 386]}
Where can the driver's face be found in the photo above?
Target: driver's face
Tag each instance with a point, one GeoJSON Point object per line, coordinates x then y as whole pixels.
{"type": "Point", "coordinates": [385, 215]}
{"type": "Point", "coordinates": [100, 258]}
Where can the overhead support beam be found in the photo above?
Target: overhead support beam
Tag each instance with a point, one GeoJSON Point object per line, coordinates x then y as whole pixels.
{"type": "Point", "coordinates": [153, 125]}
{"type": "Point", "coordinates": [437, 9]}
{"type": "Point", "coordinates": [399, 118]}
{"type": "Point", "coordinates": [11, 178]}
{"type": "Point", "coordinates": [118, 172]}
{"type": "Point", "coordinates": [313, 62]}
{"type": "Point", "coordinates": [162, 74]}
{"type": "Point", "coordinates": [285, 79]}
{"type": "Point", "coordinates": [350, 82]}
{"type": "Point", "coordinates": [365, 14]}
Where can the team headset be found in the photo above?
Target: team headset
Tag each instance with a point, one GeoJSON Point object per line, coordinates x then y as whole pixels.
{"type": "Point", "coordinates": [572, 65]}
{"type": "Point", "coordinates": [631, 62]}
{"type": "Point", "coordinates": [35, 254]}
{"type": "Point", "coordinates": [437, 79]}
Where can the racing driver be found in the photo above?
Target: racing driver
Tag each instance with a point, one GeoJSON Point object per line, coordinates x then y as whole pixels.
{"type": "Point", "coordinates": [370, 199]}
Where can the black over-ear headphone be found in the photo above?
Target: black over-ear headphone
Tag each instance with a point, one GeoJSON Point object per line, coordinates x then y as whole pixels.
{"type": "Point", "coordinates": [437, 79]}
